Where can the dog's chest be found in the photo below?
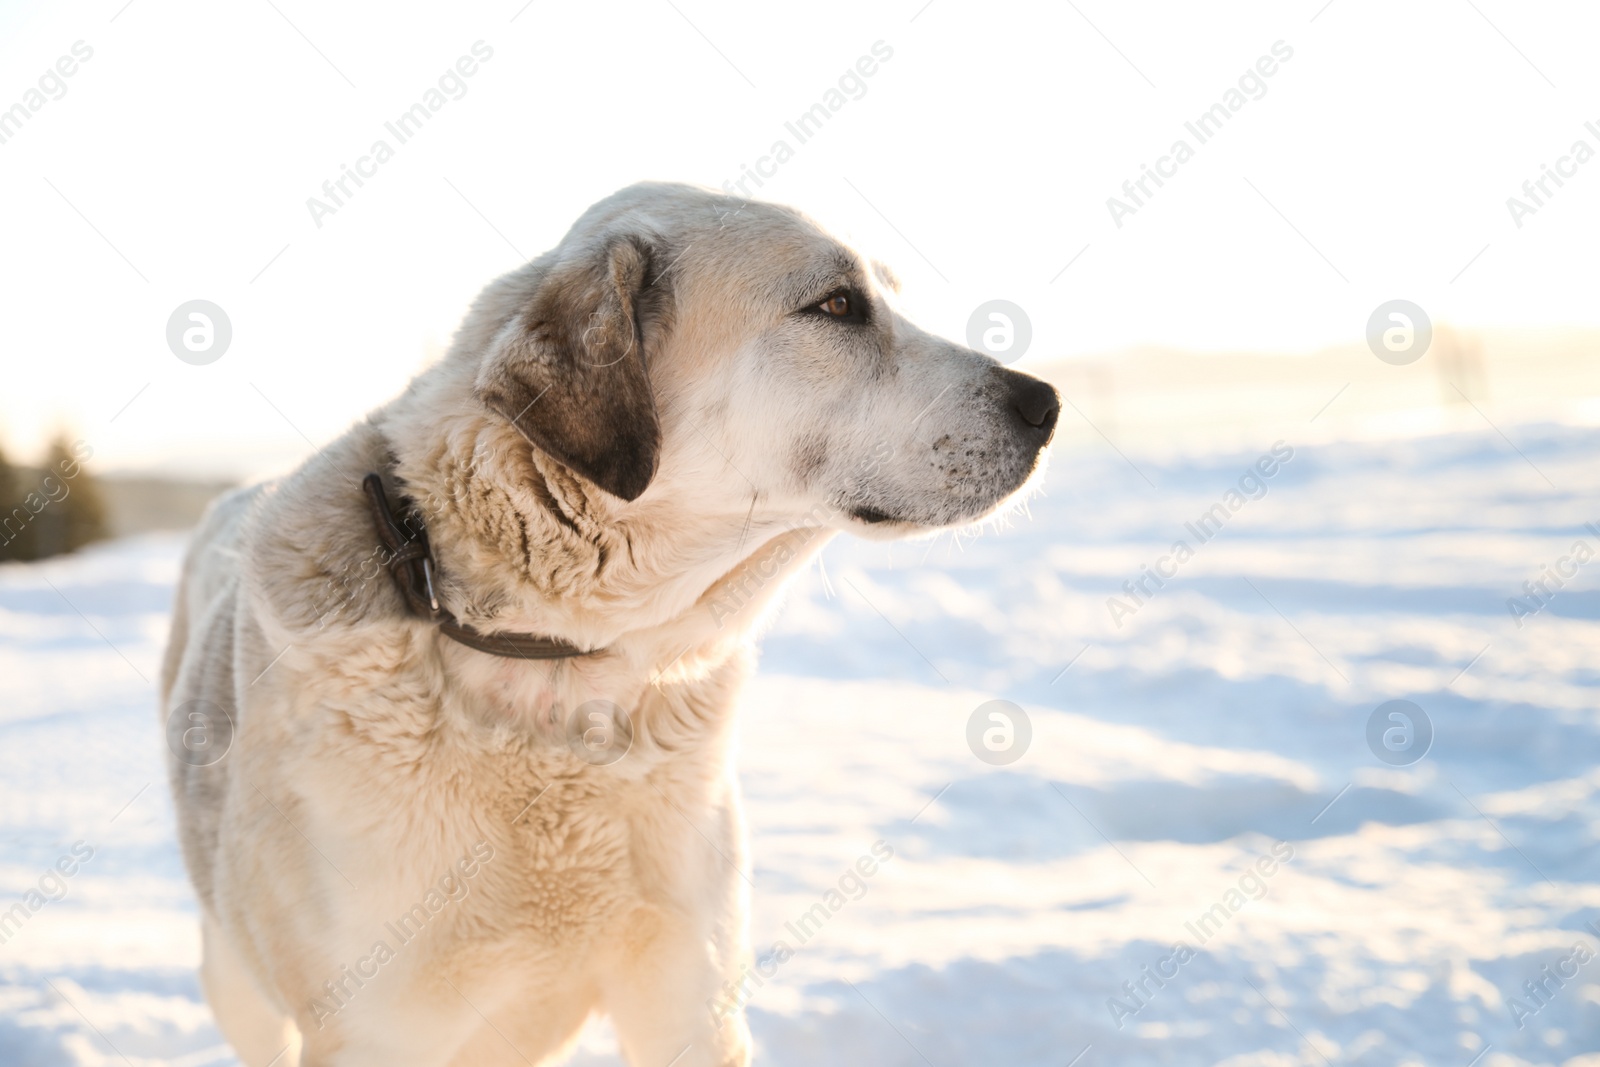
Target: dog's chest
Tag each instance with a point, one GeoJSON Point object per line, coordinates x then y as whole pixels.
{"type": "Point", "coordinates": [575, 858]}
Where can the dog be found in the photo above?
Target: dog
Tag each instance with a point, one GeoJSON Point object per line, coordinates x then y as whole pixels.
{"type": "Point", "coordinates": [451, 706]}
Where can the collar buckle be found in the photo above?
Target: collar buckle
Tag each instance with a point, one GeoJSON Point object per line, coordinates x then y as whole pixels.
{"type": "Point", "coordinates": [411, 565]}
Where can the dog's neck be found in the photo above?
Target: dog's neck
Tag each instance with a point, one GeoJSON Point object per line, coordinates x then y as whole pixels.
{"type": "Point", "coordinates": [524, 545]}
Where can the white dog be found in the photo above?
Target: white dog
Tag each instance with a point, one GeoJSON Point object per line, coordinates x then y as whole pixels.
{"type": "Point", "coordinates": [452, 743]}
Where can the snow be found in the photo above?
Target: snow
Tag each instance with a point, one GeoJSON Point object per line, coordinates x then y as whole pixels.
{"type": "Point", "coordinates": [1224, 716]}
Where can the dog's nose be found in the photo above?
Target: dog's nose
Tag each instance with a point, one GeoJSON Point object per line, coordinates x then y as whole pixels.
{"type": "Point", "coordinates": [1036, 403]}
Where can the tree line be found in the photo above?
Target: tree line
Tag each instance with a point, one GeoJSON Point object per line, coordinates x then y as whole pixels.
{"type": "Point", "coordinates": [46, 511]}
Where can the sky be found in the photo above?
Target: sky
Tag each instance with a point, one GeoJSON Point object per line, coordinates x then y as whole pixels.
{"type": "Point", "coordinates": [978, 158]}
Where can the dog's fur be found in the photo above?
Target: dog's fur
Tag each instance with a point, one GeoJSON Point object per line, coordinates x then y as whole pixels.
{"type": "Point", "coordinates": [632, 443]}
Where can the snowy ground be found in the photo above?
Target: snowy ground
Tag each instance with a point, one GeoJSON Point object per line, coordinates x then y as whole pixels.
{"type": "Point", "coordinates": [1226, 715]}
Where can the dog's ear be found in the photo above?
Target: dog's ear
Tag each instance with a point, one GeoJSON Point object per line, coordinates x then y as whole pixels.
{"type": "Point", "coordinates": [569, 369]}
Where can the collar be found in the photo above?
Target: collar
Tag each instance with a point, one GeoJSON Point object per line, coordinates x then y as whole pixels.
{"type": "Point", "coordinates": [412, 566]}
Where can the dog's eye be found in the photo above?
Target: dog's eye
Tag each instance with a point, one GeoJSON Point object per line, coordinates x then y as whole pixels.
{"type": "Point", "coordinates": [837, 305]}
{"type": "Point", "coordinates": [843, 305]}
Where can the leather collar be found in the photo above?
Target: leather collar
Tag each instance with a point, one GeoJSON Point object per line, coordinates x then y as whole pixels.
{"type": "Point", "coordinates": [412, 566]}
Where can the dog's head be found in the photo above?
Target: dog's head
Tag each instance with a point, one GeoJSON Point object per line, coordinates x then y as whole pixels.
{"type": "Point", "coordinates": [683, 345]}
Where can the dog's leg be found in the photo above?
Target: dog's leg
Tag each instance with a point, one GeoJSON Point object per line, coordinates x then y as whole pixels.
{"type": "Point", "coordinates": [542, 1031]}
{"type": "Point", "coordinates": [423, 1019]}
{"type": "Point", "coordinates": [671, 1004]}
{"type": "Point", "coordinates": [260, 1033]}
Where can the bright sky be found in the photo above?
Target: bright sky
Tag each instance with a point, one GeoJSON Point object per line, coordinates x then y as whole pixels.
{"type": "Point", "coordinates": [978, 160]}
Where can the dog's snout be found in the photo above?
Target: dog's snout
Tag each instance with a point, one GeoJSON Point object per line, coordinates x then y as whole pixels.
{"type": "Point", "coordinates": [1035, 402]}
